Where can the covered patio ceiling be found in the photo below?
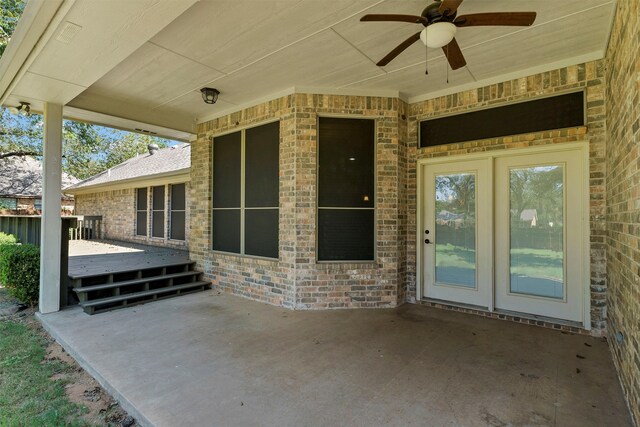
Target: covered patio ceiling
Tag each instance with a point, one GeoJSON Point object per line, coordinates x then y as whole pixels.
{"type": "Point", "coordinates": [139, 65]}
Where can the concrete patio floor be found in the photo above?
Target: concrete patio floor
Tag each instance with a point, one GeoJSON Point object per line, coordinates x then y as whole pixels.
{"type": "Point", "coordinates": [218, 360]}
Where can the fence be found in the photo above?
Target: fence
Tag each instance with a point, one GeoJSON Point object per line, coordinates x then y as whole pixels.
{"type": "Point", "coordinates": [27, 227]}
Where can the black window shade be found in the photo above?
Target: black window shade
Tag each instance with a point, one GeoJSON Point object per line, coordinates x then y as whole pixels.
{"type": "Point", "coordinates": [226, 230]}
{"type": "Point", "coordinates": [226, 170]}
{"type": "Point", "coordinates": [346, 157]}
{"type": "Point", "coordinates": [555, 112]}
{"type": "Point", "coordinates": [346, 234]}
{"type": "Point", "coordinates": [261, 232]}
{"type": "Point", "coordinates": [346, 180]}
{"type": "Point", "coordinates": [261, 166]}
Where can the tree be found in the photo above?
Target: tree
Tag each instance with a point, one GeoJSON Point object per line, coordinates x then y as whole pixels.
{"type": "Point", "coordinates": [10, 11]}
{"type": "Point", "coordinates": [87, 149]}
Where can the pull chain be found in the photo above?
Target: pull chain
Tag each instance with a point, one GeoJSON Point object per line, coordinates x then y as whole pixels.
{"type": "Point", "coordinates": [426, 59]}
{"type": "Point", "coordinates": [446, 64]}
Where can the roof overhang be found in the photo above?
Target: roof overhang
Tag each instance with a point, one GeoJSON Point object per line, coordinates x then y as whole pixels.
{"type": "Point", "coordinates": [174, 177]}
{"type": "Point", "coordinates": [138, 65]}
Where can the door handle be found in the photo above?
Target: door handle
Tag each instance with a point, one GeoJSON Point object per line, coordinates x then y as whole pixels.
{"type": "Point", "coordinates": [427, 241]}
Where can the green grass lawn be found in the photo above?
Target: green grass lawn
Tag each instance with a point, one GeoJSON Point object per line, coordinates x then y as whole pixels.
{"type": "Point", "coordinates": [28, 395]}
{"type": "Point", "coordinates": [524, 261]}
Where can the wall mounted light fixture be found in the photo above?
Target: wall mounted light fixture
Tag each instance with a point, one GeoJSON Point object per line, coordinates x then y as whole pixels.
{"type": "Point", "coordinates": [209, 95]}
{"type": "Point", "coordinates": [24, 109]}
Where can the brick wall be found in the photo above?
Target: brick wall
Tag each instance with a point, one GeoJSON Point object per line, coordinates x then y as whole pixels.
{"type": "Point", "coordinates": [296, 279]}
{"type": "Point", "coordinates": [343, 285]}
{"type": "Point", "coordinates": [269, 281]}
{"type": "Point", "coordinates": [589, 76]}
{"type": "Point", "coordinates": [623, 197]}
{"type": "Point", "coordinates": [118, 211]}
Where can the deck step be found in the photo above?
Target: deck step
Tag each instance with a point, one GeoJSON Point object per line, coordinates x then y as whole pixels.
{"type": "Point", "coordinates": [94, 306]}
{"type": "Point", "coordinates": [125, 283]}
{"type": "Point", "coordinates": [130, 269]}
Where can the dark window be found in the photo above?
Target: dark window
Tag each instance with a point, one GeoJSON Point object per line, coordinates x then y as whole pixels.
{"type": "Point", "coordinates": [555, 112]}
{"type": "Point", "coordinates": [141, 211]}
{"type": "Point", "coordinates": [256, 152]}
{"type": "Point", "coordinates": [157, 214]}
{"type": "Point", "coordinates": [346, 189]}
{"type": "Point", "coordinates": [177, 212]}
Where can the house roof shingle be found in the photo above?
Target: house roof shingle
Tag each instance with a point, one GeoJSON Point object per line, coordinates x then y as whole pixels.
{"type": "Point", "coordinates": [166, 160]}
{"type": "Point", "coordinates": [21, 176]}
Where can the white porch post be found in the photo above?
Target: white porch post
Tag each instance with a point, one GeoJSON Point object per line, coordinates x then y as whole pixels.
{"type": "Point", "coordinates": [51, 224]}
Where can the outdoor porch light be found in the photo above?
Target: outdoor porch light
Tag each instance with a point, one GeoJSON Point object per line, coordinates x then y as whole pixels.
{"type": "Point", "coordinates": [209, 95]}
{"type": "Point", "coordinates": [438, 35]}
{"type": "Point", "coordinates": [24, 109]}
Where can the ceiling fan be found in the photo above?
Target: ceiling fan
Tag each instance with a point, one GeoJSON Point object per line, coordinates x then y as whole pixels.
{"type": "Point", "coordinates": [441, 21]}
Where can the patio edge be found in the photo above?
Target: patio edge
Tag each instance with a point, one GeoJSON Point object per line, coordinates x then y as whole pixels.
{"type": "Point", "coordinates": [119, 397]}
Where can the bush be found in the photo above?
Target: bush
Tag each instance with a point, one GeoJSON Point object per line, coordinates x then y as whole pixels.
{"type": "Point", "coordinates": [20, 271]}
{"type": "Point", "coordinates": [7, 239]}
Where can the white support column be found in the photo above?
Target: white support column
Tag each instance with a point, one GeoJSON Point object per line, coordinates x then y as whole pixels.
{"type": "Point", "coordinates": [51, 233]}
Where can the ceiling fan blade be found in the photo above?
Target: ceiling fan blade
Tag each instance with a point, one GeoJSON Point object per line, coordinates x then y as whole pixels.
{"type": "Point", "coordinates": [414, 19]}
{"type": "Point", "coordinates": [399, 49]}
{"type": "Point", "coordinates": [449, 7]}
{"type": "Point", "coordinates": [523, 19]}
{"type": "Point", "coordinates": [454, 55]}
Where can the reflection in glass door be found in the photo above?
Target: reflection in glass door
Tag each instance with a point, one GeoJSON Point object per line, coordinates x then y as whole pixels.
{"type": "Point", "coordinates": [539, 234]}
{"type": "Point", "coordinates": [536, 231]}
{"type": "Point", "coordinates": [455, 230]}
{"type": "Point", "coordinates": [455, 224]}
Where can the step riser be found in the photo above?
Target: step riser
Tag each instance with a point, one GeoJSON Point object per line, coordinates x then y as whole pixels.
{"type": "Point", "coordinates": [97, 310]}
{"type": "Point", "coordinates": [113, 290]}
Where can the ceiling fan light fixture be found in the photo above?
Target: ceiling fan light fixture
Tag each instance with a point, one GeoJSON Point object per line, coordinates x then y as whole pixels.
{"type": "Point", "coordinates": [438, 35]}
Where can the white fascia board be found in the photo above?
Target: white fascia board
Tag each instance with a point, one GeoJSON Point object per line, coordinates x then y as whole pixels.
{"type": "Point", "coordinates": [174, 177]}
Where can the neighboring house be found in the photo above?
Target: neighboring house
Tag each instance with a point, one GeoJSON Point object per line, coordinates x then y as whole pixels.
{"type": "Point", "coordinates": [530, 217]}
{"type": "Point", "coordinates": [144, 199]}
{"type": "Point", "coordinates": [21, 187]}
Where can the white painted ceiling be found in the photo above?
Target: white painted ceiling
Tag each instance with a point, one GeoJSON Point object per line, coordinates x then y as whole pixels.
{"type": "Point", "coordinates": [146, 60]}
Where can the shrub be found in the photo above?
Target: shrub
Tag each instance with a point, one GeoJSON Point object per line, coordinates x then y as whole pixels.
{"type": "Point", "coordinates": [20, 271]}
{"type": "Point", "coordinates": [7, 239]}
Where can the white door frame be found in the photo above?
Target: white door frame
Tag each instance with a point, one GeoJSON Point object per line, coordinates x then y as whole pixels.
{"type": "Point", "coordinates": [582, 146]}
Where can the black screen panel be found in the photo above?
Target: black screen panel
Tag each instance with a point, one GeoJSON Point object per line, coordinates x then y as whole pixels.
{"type": "Point", "coordinates": [261, 165]}
{"type": "Point", "coordinates": [555, 112]}
{"type": "Point", "coordinates": [177, 225]}
{"type": "Point", "coordinates": [157, 224]}
{"type": "Point", "coordinates": [261, 232]}
{"type": "Point", "coordinates": [226, 171]}
{"type": "Point", "coordinates": [226, 230]}
{"type": "Point", "coordinates": [141, 223]}
{"type": "Point", "coordinates": [141, 199]}
{"type": "Point", "coordinates": [177, 197]}
{"type": "Point", "coordinates": [346, 234]}
{"type": "Point", "coordinates": [346, 173]}
{"type": "Point", "coordinates": [158, 198]}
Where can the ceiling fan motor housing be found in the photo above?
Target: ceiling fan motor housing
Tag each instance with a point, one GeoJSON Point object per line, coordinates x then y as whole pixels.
{"type": "Point", "coordinates": [433, 14]}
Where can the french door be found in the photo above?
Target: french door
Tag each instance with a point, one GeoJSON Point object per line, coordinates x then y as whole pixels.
{"type": "Point", "coordinates": [506, 232]}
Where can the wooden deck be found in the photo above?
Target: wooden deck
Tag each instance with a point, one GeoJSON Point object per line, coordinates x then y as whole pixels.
{"type": "Point", "coordinates": [97, 257]}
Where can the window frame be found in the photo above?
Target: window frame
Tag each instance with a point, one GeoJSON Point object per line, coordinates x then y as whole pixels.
{"type": "Point", "coordinates": [375, 188]}
{"type": "Point", "coordinates": [242, 207]}
{"type": "Point", "coordinates": [171, 211]}
{"type": "Point", "coordinates": [138, 210]}
{"type": "Point", "coordinates": [163, 210]}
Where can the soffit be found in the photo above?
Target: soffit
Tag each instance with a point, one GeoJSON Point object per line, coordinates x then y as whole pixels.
{"type": "Point", "coordinates": [251, 49]}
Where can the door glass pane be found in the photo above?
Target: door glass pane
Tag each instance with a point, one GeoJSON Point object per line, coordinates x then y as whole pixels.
{"type": "Point", "coordinates": [537, 212]}
{"type": "Point", "coordinates": [455, 236]}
